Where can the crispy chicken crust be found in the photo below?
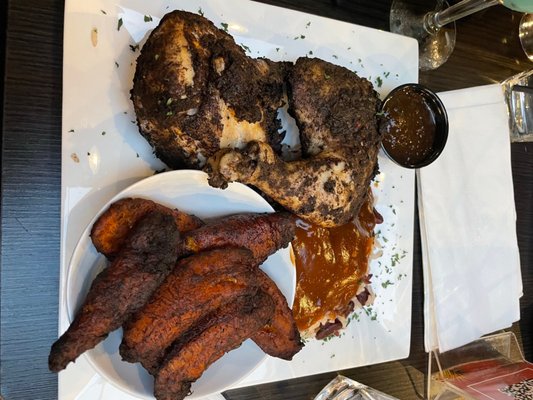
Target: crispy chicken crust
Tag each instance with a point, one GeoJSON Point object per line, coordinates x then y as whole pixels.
{"type": "Point", "coordinates": [335, 111]}
{"type": "Point", "coordinates": [195, 91]}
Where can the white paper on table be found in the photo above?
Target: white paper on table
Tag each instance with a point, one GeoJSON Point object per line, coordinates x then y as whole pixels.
{"type": "Point", "coordinates": [468, 224]}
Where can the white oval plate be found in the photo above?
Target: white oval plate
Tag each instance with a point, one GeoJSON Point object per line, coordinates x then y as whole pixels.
{"type": "Point", "coordinates": [188, 191]}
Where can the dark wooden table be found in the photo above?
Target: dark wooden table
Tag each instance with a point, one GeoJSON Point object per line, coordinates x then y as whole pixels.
{"type": "Point", "coordinates": [487, 51]}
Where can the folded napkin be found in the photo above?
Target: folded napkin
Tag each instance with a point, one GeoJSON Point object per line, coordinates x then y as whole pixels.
{"type": "Point", "coordinates": [471, 262]}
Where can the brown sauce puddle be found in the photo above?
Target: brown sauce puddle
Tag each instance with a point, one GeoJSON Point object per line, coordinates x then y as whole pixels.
{"type": "Point", "coordinates": [330, 263]}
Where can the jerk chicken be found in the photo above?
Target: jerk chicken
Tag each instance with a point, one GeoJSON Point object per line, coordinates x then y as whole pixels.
{"type": "Point", "coordinates": [195, 91]}
{"type": "Point", "coordinates": [198, 97]}
{"type": "Point", "coordinates": [122, 288]}
{"type": "Point", "coordinates": [335, 111]}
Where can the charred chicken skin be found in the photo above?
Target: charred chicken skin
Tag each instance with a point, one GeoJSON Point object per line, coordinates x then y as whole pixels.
{"type": "Point", "coordinates": [112, 228]}
{"type": "Point", "coordinates": [335, 111]}
{"type": "Point", "coordinates": [309, 188]}
{"type": "Point", "coordinates": [198, 286]}
{"type": "Point", "coordinates": [147, 256]}
{"type": "Point", "coordinates": [210, 340]}
{"type": "Point", "coordinates": [195, 91]}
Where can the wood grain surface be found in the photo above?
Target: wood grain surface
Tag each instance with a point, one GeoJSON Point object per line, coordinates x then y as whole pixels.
{"type": "Point", "coordinates": [487, 51]}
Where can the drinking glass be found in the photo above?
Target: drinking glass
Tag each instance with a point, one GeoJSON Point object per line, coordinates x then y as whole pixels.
{"type": "Point", "coordinates": [434, 28]}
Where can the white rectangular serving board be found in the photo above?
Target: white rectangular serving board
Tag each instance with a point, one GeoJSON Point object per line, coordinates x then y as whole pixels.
{"type": "Point", "coordinates": [103, 153]}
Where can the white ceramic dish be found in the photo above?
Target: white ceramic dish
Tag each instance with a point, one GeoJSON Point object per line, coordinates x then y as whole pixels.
{"type": "Point", "coordinates": [187, 191]}
{"type": "Point", "coordinates": [103, 154]}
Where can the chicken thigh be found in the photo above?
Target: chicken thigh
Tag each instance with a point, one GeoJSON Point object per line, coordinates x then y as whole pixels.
{"type": "Point", "coordinates": [195, 91]}
{"type": "Point", "coordinates": [335, 111]}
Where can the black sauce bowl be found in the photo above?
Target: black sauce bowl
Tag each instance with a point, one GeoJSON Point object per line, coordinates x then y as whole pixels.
{"type": "Point", "coordinates": [441, 123]}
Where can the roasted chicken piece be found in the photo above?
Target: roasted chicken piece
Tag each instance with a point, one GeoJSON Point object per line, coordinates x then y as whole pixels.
{"type": "Point", "coordinates": [198, 286]}
{"type": "Point", "coordinates": [206, 343]}
{"type": "Point", "coordinates": [112, 228]}
{"type": "Point", "coordinates": [263, 234]}
{"type": "Point", "coordinates": [335, 111]}
{"type": "Point", "coordinates": [147, 256]}
{"type": "Point", "coordinates": [320, 189]}
{"type": "Point", "coordinates": [195, 91]}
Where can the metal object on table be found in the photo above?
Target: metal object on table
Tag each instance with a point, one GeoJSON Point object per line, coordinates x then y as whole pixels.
{"type": "Point", "coordinates": [518, 91]}
{"type": "Point", "coordinates": [342, 388]}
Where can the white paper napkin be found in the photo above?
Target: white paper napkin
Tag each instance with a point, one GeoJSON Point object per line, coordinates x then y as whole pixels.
{"type": "Point", "coordinates": [468, 224]}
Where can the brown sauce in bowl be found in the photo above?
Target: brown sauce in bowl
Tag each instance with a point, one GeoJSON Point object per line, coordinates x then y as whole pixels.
{"type": "Point", "coordinates": [330, 264]}
{"type": "Point", "coordinates": [409, 129]}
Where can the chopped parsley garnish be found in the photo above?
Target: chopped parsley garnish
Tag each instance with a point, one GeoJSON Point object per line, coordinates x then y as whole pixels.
{"type": "Point", "coordinates": [148, 18]}
{"type": "Point", "coordinates": [246, 48]}
{"type": "Point", "coordinates": [71, 130]}
{"type": "Point", "coordinates": [200, 11]}
{"type": "Point", "coordinates": [386, 284]}
{"type": "Point", "coordinates": [310, 52]}
{"type": "Point", "coordinates": [116, 64]}
{"type": "Point", "coordinates": [103, 12]}
{"type": "Point", "coordinates": [277, 49]}
{"type": "Point", "coordinates": [395, 259]}
{"type": "Point", "coordinates": [308, 24]}
{"type": "Point", "coordinates": [169, 113]}
{"type": "Point", "coordinates": [103, 133]}
{"type": "Point", "coordinates": [120, 23]}
{"type": "Point", "coordinates": [134, 48]}
{"type": "Point", "coordinates": [326, 76]}
{"type": "Point", "coordinates": [386, 74]}
{"type": "Point", "coordinates": [224, 26]}
{"type": "Point", "coordinates": [335, 56]}
{"type": "Point", "coordinates": [379, 81]}
{"type": "Point", "coordinates": [169, 101]}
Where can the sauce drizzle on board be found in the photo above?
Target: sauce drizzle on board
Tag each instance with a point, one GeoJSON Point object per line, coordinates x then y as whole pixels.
{"type": "Point", "coordinates": [331, 264]}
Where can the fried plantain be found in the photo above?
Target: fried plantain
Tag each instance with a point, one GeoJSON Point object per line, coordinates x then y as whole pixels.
{"type": "Point", "coordinates": [197, 286]}
{"type": "Point", "coordinates": [112, 227]}
{"type": "Point", "coordinates": [148, 255]}
{"type": "Point", "coordinates": [280, 337]}
{"type": "Point", "coordinates": [263, 234]}
{"type": "Point", "coordinates": [197, 350]}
